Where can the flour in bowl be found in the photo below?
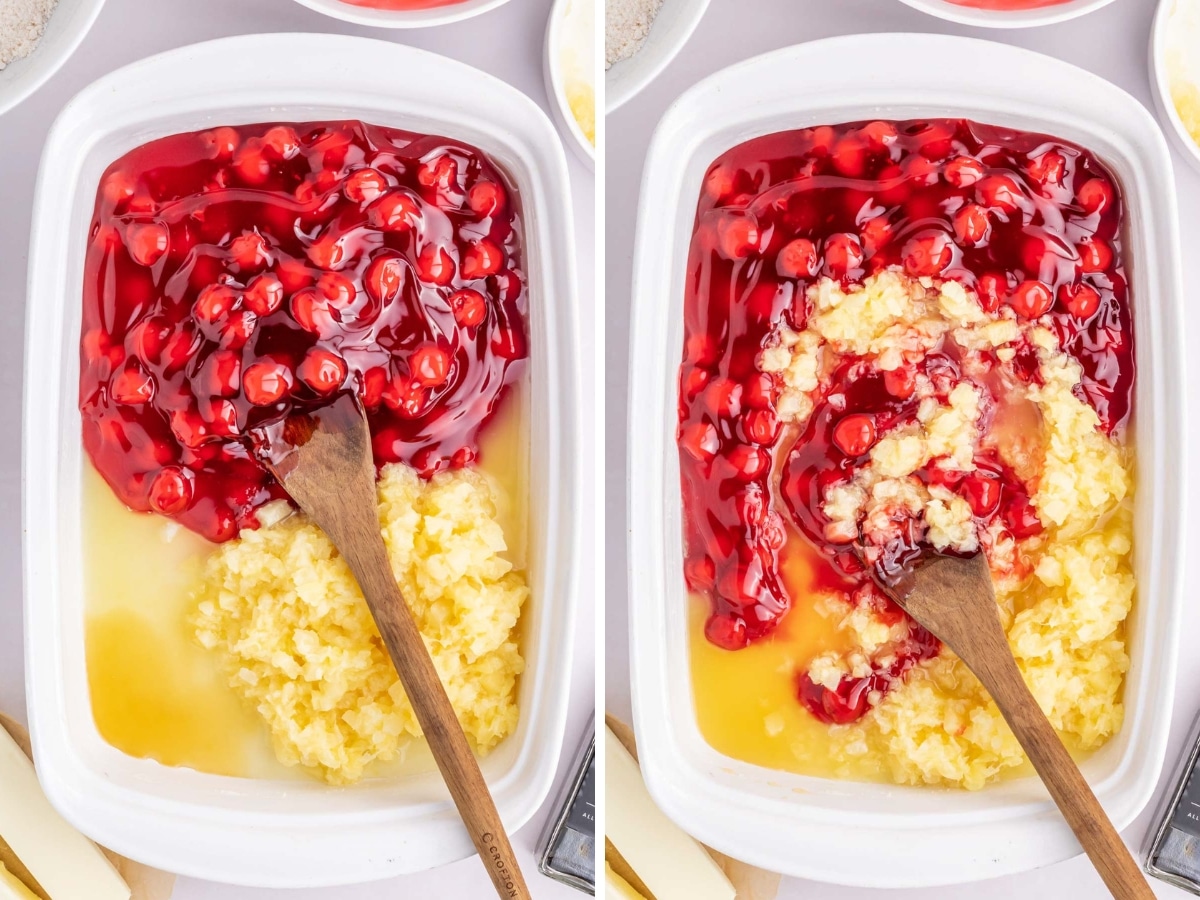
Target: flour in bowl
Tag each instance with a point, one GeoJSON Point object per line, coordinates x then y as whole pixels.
{"type": "Point", "coordinates": [626, 26]}
{"type": "Point", "coordinates": [21, 25]}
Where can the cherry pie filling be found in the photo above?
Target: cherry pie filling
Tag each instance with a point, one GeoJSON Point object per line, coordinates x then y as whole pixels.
{"type": "Point", "coordinates": [238, 275]}
{"type": "Point", "coordinates": [1027, 225]}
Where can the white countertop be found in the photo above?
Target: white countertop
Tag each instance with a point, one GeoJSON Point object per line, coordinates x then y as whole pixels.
{"type": "Point", "coordinates": [1112, 43]}
{"type": "Point", "coordinates": [507, 43]}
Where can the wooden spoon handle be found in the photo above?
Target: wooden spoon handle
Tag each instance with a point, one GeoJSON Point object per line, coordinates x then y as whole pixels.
{"type": "Point", "coordinates": [367, 558]}
{"type": "Point", "coordinates": [1062, 778]}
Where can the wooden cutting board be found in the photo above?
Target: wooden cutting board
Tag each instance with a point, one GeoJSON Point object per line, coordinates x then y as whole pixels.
{"type": "Point", "coordinates": [751, 883]}
{"type": "Point", "coordinates": [144, 882]}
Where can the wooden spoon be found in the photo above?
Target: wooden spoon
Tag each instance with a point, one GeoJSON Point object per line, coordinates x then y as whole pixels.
{"type": "Point", "coordinates": [953, 598]}
{"type": "Point", "coordinates": [324, 461]}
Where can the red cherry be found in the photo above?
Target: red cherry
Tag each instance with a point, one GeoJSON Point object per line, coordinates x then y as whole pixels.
{"type": "Point", "coordinates": [700, 573]}
{"type": "Point", "coordinates": [469, 307]}
{"type": "Point", "coordinates": [118, 187]}
{"type": "Point", "coordinates": [147, 338]}
{"type": "Point", "coordinates": [364, 185]}
{"type": "Point", "coordinates": [265, 383]}
{"type": "Point", "coordinates": [221, 374]}
{"type": "Point", "coordinates": [726, 631]}
{"type": "Point", "coordinates": [250, 164]}
{"type": "Point", "coordinates": [1021, 518]}
{"type": "Point", "coordinates": [406, 397]}
{"type": "Point", "coordinates": [1080, 300]}
{"type": "Point", "coordinates": [982, 493]}
{"type": "Point", "coordinates": [850, 156]}
{"type": "Point", "coordinates": [322, 371]}
{"type": "Point", "coordinates": [999, 192]}
{"type": "Point", "coordinates": [797, 259]}
{"type": "Point", "coordinates": [1031, 299]}
{"type": "Point", "coordinates": [235, 331]}
{"type": "Point", "coordinates": [991, 289]}
{"type": "Point", "coordinates": [214, 303]}
{"type": "Point", "coordinates": [879, 135]}
{"type": "Point", "coordinates": [718, 183]}
{"type": "Point", "coordinates": [220, 416]}
{"type": "Point", "coordinates": [854, 435]}
{"type": "Point", "coordinates": [486, 198]}
{"type": "Point", "coordinates": [250, 251]}
{"type": "Point", "coordinates": [1095, 195]}
{"type": "Point", "coordinates": [463, 457]}
{"type": "Point", "coordinates": [760, 425]}
{"type": "Point", "coordinates": [928, 255]}
{"type": "Point", "coordinates": [1094, 254]}
{"type": "Point", "coordinates": [843, 254]}
{"type": "Point", "coordinates": [327, 252]}
{"type": "Point", "coordinates": [964, 171]}
{"type": "Point", "coordinates": [701, 349]}
{"type": "Point", "coordinates": [190, 430]}
{"type": "Point", "coordinates": [435, 265]}
{"type": "Point", "coordinates": [508, 343]}
{"type": "Point", "coordinates": [940, 473]}
{"type": "Point", "coordinates": [971, 224]}
{"type": "Point", "coordinates": [694, 381]}
{"type": "Point", "coordinates": [723, 398]}
{"type": "Point", "coordinates": [312, 312]}
{"type": "Point", "coordinates": [748, 463]}
{"type": "Point", "coordinates": [264, 294]}
{"type": "Point", "coordinates": [737, 236]}
{"type": "Point", "coordinates": [921, 171]}
{"type": "Point", "coordinates": [221, 142]}
{"type": "Point", "coordinates": [901, 382]}
{"type": "Point", "coordinates": [180, 348]}
{"type": "Point", "coordinates": [147, 242]}
{"type": "Point", "coordinates": [384, 277]}
{"type": "Point", "coordinates": [430, 365]}
{"type": "Point", "coordinates": [282, 140]}
{"type": "Point", "coordinates": [132, 386]}
{"type": "Point", "coordinates": [759, 391]}
{"type": "Point", "coordinates": [396, 211]}
{"type": "Point", "coordinates": [337, 289]}
{"type": "Point", "coordinates": [1049, 168]}
{"type": "Point", "coordinates": [294, 275]}
{"type": "Point", "coordinates": [440, 171]}
{"type": "Point", "coordinates": [876, 233]}
{"type": "Point", "coordinates": [171, 490]}
{"type": "Point", "coordinates": [374, 383]}
{"type": "Point", "coordinates": [482, 258]}
{"type": "Point", "coordinates": [699, 440]}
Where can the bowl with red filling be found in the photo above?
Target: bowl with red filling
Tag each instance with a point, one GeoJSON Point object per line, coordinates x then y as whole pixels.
{"type": "Point", "coordinates": [402, 13]}
{"type": "Point", "coordinates": [904, 321]}
{"type": "Point", "coordinates": [1007, 13]}
{"type": "Point", "coordinates": [214, 253]}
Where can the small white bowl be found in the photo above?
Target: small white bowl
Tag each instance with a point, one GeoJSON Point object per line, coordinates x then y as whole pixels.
{"type": "Point", "coordinates": [1161, 81]}
{"type": "Point", "coordinates": [402, 18]}
{"type": "Point", "coordinates": [1007, 18]}
{"type": "Point", "coordinates": [68, 24]}
{"type": "Point", "coordinates": [672, 27]}
{"type": "Point", "coordinates": [560, 40]}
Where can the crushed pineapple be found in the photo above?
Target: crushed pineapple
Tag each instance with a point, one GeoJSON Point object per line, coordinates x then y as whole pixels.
{"type": "Point", "coordinates": [297, 640]}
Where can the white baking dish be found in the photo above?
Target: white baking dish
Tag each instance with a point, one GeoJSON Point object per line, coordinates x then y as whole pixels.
{"type": "Point", "coordinates": [869, 834]}
{"type": "Point", "coordinates": [297, 832]}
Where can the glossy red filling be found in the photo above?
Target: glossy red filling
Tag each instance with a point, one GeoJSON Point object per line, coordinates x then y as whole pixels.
{"type": "Point", "coordinates": [238, 275]}
{"type": "Point", "coordinates": [1011, 5]}
{"type": "Point", "coordinates": [403, 4]}
{"type": "Point", "coordinates": [1021, 219]}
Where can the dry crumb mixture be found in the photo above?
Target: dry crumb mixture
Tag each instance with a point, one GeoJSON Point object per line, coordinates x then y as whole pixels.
{"type": "Point", "coordinates": [626, 26]}
{"type": "Point", "coordinates": [21, 25]}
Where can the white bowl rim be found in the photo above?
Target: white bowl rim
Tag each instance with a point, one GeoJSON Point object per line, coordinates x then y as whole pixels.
{"type": "Point", "coordinates": [402, 18]}
{"type": "Point", "coordinates": [555, 87]}
{"type": "Point", "coordinates": [614, 100]}
{"type": "Point", "coordinates": [1161, 82]}
{"type": "Point", "coordinates": [1001, 18]}
{"type": "Point", "coordinates": [16, 98]}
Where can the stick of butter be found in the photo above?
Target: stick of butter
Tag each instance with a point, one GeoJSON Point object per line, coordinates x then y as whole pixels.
{"type": "Point", "coordinates": [64, 864]}
{"type": "Point", "coordinates": [668, 862]}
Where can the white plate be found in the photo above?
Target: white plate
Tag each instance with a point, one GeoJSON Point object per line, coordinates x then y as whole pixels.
{"type": "Point", "coordinates": [672, 27]}
{"type": "Point", "coordinates": [565, 32]}
{"type": "Point", "coordinates": [1007, 18]}
{"type": "Point", "coordinates": [261, 832]}
{"type": "Point", "coordinates": [870, 834]}
{"type": "Point", "coordinates": [1160, 79]}
{"type": "Point", "coordinates": [66, 29]}
{"type": "Point", "coordinates": [402, 18]}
